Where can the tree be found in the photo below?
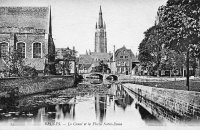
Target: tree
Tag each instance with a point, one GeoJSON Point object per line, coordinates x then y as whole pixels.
{"type": "Point", "coordinates": [151, 47]}
{"type": "Point", "coordinates": [50, 65]}
{"type": "Point", "coordinates": [68, 55]}
{"type": "Point", "coordinates": [179, 19]}
{"type": "Point", "coordinates": [15, 63]}
{"type": "Point", "coordinates": [172, 61]}
{"type": "Point", "coordinates": [102, 67]}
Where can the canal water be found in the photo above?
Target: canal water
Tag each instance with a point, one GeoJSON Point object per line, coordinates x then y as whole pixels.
{"type": "Point", "coordinates": [116, 107]}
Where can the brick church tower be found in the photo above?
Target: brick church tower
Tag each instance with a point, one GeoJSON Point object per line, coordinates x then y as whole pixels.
{"type": "Point", "coordinates": [100, 35]}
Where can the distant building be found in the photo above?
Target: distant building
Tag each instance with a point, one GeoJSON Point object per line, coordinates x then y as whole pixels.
{"type": "Point", "coordinates": [66, 54]}
{"type": "Point", "coordinates": [28, 30]}
{"type": "Point", "coordinates": [100, 35]}
{"type": "Point", "coordinates": [88, 62]}
{"type": "Point", "coordinates": [125, 61]}
{"type": "Point", "coordinates": [91, 59]}
{"type": "Point", "coordinates": [61, 52]}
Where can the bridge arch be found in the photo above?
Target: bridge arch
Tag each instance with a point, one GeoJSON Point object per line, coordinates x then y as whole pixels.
{"type": "Point", "coordinates": [112, 77]}
{"type": "Point", "coordinates": [92, 75]}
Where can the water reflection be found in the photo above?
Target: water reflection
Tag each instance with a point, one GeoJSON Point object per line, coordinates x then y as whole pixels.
{"type": "Point", "coordinates": [122, 97]}
{"type": "Point", "coordinates": [146, 115]}
{"type": "Point", "coordinates": [118, 104]}
{"type": "Point", "coordinates": [96, 81]}
{"type": "Point", "coordinates": [100, 107]}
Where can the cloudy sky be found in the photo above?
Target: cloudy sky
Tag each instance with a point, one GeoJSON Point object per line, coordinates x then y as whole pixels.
{"type": "Point", "coordinates": [74, 21]}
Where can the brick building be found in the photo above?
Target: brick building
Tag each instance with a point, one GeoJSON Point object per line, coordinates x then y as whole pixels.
{"type": "Point", "coordinates": [125, 60]}
{"type": "Point", "coordinates": [28, 30]}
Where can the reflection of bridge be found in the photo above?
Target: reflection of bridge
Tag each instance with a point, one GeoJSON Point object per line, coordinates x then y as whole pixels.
{"type": "Point", "coordinates": [101, 76]}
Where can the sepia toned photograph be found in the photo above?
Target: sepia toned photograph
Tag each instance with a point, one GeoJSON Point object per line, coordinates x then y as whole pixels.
{"type": "Point", "coordinates": [99, 64]}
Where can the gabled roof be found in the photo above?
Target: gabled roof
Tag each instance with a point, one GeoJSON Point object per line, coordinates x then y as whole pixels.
{"type": "Point", "coordinates": [101, 56]}
{"type": "Point", "coordinates": [124, 48]}
{"type": "Point", "coordinates": [85, 59]}
{"type": "Point", "coordinates": [84, 66]}
{"type": "Point", "coordinates": [133, 57]}
{"type": "Point", "coordinates": [24, 17]}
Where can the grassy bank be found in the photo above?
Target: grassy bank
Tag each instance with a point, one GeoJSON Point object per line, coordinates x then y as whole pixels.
{"type": "Point", "coordinates": [24, 86]}
{"type": "Point", "coordinates": [178, 85]}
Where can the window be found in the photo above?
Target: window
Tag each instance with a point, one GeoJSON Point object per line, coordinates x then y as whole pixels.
{"type": "Point", "coordinates": [122, 70]}
{"type": "Point", "coordinates": [36, 50]}
{"type": "Point", "coordinates": [121, 56]}
{"type": "Point", "coordinates": [126, 56]}
{"type": "Point", "coordinates": [3, 49]}
{"type": "Point", "coordinates": [21, 49]}
{"type": "Point", "coordinates": [118, 70]}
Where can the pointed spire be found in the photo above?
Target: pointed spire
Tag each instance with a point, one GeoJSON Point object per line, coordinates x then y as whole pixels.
{"type": "Point", "coordinates": [50, 26]}
{"type": "Point", "coordinates": [100, 23]}
{"type": "Point", "coordinates": [100, 10]}
{"type": "Point", "coordinates": [104, 25]}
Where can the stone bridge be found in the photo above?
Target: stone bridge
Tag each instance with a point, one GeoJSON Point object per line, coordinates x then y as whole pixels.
{"type": "Point", "coordinates": [101, 75]}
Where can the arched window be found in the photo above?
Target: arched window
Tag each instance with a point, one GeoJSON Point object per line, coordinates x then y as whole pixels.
{"type": "Point", "coordinates": [36, 50]}
{"type": "Point", "coordinates": [21, 49]}
{"type": "Point", "coordinates": [3, 49]}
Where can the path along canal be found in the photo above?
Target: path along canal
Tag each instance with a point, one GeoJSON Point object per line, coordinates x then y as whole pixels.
{"type": "Point", "coordinates": [114, 105]}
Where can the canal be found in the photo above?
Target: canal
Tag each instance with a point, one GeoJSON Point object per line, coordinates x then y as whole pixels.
{"type": "Point", "coordinates": [114, 105]}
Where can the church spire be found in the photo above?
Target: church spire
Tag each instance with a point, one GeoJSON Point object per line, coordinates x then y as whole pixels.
{"type": "Point", "coordinates": [100, 19]}
{"type": "Point", "coordinates": [50, 26]}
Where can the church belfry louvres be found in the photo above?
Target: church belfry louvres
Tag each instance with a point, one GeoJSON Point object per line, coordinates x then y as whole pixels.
{"type": "Point", "coordinates": [100, 35]}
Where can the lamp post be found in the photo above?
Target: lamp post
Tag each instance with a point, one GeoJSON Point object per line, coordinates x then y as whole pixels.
{"type": "Point", "coordinates": [187, 65]}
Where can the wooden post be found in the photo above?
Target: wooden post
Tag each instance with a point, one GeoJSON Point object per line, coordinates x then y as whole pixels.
{"type": "Point", "coordinates": [187, 66]}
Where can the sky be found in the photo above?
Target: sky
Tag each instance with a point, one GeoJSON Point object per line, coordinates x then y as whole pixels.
{"type": "Point", "coordinates": [73, 21]}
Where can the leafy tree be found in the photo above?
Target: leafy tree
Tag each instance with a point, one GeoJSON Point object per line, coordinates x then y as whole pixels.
{"type": "Point", "coordinates": [67, 56]}
{"type": "Point", "coordinates": [151, 47]}
{"type": "Point", "coordinates": [102, 67]}
{"type": "Point", "coordinates": [15, 63]}
{"type": "Point", "coordinates": [179, 19]}
{"type": "Point", "coordinates": [172, 60]}
{"type": "Point", "coordinates": [50, 66]}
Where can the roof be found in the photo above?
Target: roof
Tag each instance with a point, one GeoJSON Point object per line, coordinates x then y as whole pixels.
{"type": "Point", "coordinates": [101, 56]}
{"type": "Point", "coordinates": [85, 59]}
{"type": "Point", "coordinates": [16, 18]}
{"type": "Point", "coordinates": [94, 57]}
{"type": "Point", "coordinates": [82, 66]}
{"type": "Point", "coordinates": [124, 48]}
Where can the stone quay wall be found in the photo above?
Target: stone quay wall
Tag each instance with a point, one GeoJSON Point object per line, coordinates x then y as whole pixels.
{"type": "Point", "coordinates": [183, 103]}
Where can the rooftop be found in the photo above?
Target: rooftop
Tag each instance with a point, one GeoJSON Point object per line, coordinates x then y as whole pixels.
{"type": "Point", "coordinates": [24, 17]}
